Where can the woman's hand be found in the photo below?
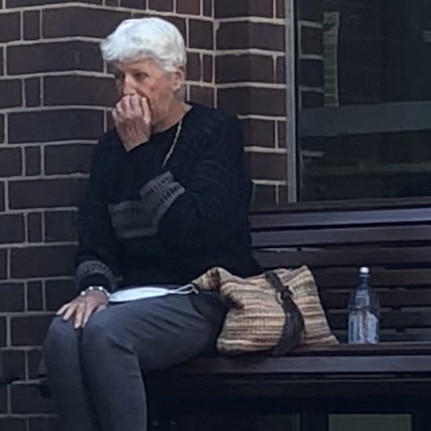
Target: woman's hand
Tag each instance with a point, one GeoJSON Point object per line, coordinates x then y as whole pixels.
{"type": "Point", "coordinates": [83, 307]}
{"type": "Point", "coordinates": [132, 119]}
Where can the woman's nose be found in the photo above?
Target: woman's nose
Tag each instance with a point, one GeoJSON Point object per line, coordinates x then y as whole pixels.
{"type": "Point", "coordinates": [128, 87]}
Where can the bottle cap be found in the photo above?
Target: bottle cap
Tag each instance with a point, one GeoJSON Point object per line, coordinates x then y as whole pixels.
{"type": "Point", "coordinates": [364, 270]}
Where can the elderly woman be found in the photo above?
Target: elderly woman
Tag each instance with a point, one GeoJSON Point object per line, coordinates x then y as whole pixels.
{"type": "Point", "coordinates": [167, 200]}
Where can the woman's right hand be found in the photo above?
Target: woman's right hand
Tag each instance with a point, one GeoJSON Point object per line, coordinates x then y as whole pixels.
{"type": "Point", "coordinates": [132, 119]}
{"type": "Point", "coordinates": [82, 307]}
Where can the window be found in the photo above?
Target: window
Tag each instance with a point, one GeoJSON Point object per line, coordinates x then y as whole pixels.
{"type": "Point", "coordinates": [363, 99]}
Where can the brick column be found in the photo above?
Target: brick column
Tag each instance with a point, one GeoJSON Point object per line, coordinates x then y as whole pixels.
{"type": "Point", "coordinates": [250, 76]}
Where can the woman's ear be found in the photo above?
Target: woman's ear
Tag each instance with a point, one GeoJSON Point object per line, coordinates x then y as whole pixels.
{"type": "Point", "coordinates": [178, 78]}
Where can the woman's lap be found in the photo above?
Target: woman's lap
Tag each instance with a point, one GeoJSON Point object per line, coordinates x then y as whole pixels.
{"type": "Point", "coordinates": [162, 331]}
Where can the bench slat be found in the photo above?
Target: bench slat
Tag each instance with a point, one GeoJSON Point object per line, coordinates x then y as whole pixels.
{"type": "Point", "coordinates": [346, 236]}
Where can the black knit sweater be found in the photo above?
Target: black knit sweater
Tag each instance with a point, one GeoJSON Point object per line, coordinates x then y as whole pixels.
{"type": "Point", "coordinates": [144, 223]}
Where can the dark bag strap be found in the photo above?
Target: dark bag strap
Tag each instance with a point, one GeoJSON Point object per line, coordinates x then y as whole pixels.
{"type": "Point", "coordinates": [294, 323]}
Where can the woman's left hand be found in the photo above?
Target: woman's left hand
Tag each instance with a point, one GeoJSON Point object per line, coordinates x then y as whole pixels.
{"type": "Point", "coordinates": [132, 119]}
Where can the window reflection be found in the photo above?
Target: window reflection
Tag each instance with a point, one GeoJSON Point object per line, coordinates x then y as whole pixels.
{"type": "Point", "coordinates": [364, 75]}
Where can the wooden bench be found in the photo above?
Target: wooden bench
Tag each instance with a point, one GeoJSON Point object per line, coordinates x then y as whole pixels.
{"type": "Point", "coordinates": [393, 376]}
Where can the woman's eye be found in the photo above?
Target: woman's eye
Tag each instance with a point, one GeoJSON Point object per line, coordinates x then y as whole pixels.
{"type": "Point", "coordinates": [140, 76]}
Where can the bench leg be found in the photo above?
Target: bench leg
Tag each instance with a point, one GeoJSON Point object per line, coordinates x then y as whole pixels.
{"type": "Point", "coordinates": [315, 421]}
{"type": "Point", "coordinates": [421, 418]}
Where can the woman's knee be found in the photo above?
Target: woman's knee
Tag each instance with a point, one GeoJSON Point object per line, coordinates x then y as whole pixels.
{"type": "Point", "coordinates": [100, 332]}
{"type": "Point", "coordinates": [61, 335]}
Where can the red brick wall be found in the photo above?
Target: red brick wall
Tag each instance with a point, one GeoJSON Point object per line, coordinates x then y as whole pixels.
{"type": "Point", "coordinates": [55, 101]}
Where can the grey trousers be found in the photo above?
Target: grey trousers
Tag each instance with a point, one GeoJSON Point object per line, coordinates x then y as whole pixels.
{"type": "Point", "coordinates": [95, 374]}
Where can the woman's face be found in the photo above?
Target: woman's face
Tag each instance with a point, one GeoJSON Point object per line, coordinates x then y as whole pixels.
{"type": "Point", "coordinates": [147, 79]}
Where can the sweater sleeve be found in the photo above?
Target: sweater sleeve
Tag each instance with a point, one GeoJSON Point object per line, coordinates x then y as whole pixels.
{"type": "Point", "coordinates": [203, 213]}
{"type": "Point", "coordinates": [96, 256]}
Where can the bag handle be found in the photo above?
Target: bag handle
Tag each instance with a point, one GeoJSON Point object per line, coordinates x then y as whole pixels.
{"type": "Point", "coordinates": [294, 322]}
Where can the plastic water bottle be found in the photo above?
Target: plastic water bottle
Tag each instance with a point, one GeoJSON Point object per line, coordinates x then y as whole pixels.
{"type": "Point", "coordinates": [364, 312]}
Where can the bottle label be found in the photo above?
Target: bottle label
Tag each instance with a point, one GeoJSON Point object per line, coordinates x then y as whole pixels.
{"type": "Point", "coordinates": [363, 327]}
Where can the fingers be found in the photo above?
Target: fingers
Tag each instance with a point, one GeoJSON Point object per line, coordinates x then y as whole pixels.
{"type": "Point", "coordinates": [129, 107]}
{"type": "Point", "coordinates": [145, 109]}
{"type": "Point", "coordinates": [70, 310]}
{"type": "Point", "coordinates": [88, 311]}
{"type": "Point", "coordinates": [81, 309]}
{"type": "Point", "coordinates": [63, 308]}
{"type": "Point", "coordinates": [79, 315]}
{"type": "Point", "coordinates": [132, 119]}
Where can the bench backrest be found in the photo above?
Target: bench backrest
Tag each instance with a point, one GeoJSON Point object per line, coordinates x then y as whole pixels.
{"type": "Point", "coordinates": [394, 243]}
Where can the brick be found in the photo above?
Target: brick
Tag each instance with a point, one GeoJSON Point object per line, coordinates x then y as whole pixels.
{"type": "Point", "coordinates": [2, 197]}
{"type": "Point", "coordinates": [311, 40]}
{"type": "Point", "coordinates": [11, 297]}
{"type": "Point", "coordinates": [207, 65]}
{"type": "Point", "coordinates": [12, 424]}
{"type": "Point", "coordinates": [26, 398]}
{"type": "Point", "coordinates": [31, 21]}
{"type": "Point", "coordinates": [282, 196]}
{"type": "Point", "coordinates": [11, 228]}
{"type": "Point", "coordinates": [1, 61]}
{"type": "Point", "coordinates": [79, 90]}
{"type": "Point", "coordinates": [46, 193]}
{"type": "Point", "coordinates": [2, 128]}
{"type": "Point", "coordinates": [79, 21]}
{"type": "Point", "coordinates": [246, 67]}
{"type": "Point", "coordinates": [311, 73]}
{"type": "Point", "coordinates": [34, 296]}
{"type": "Point", "coordinates": [203, 95]}
{"type": "Point", "coordinates": [138, 4]}
{"type": "Point", "coordinates": [189, 7]}
{"type": "Point", "coordinates": [42, 261]}
{"type": "Point", "coordinates": [259, 133]}
{"type": "Point", "coordinates": [253, 100]}
{"type": "Point", "coordinates": [32, 160]}
{"type": "Point", "coordinates": [10, 90]}
{"type": "Point", "coordinates": [68, 159]}
{"type": "Point", "coordinates": [29, 330]}
{"type": "Point", "coordinates": [243, 35]}
{"type": "Point", "coordinates": [207, 8]}
{"type": "Point", "coordinates": [32, 92]}
{"type": "Point", "coordinates": [266, 166]}
{"type": "Point", "coordinates": [280, 73]}
{"type": "Point", "coordinates": [3, 402]}
{"type": "Point", "coordinates": [280, 8]}
{"type": "Point", "coordinates": [53, 57]}
{"type": "Point", "coordinates": [33, 358]}
{"type": "Point", "coordinates": [10, 162]}
{"type": "Point", "coordinates": [18, 3]}
{"type": "Point", "coordinates": [3, 338]}
{"type": "Point", "coordinates": [264, 196]}
{"type": "Point", "coordinates": [60, 226]}
{"type": "Point", "coordinates": [49, 423]}
{"type": "Point", "coordinates": [194, 69]}
{"type": "Point", "coordinates": [14, 363]}
{"type": "Point", "coordinates": [161, 5]}
{"type": "Point", "coordinates": [281, 134]}
{"type": "Point", "coordinates": [9, 27]}
{"type": "Point", "coordinates": [34, 227]}
{"type": "Point", "coordinates": [3, 263]}
{"type": "Point", "coordinates": [243, 8]}
{"type": "Point", "coordinates": [201, 34]}
{"type": "Point", "coordinates": [55, 125]}
{"type": "Point", "coordinates": [58, 292]}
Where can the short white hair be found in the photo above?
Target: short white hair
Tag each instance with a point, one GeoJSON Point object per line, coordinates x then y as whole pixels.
{"type": "Point", "coordinates": [139, 39]}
